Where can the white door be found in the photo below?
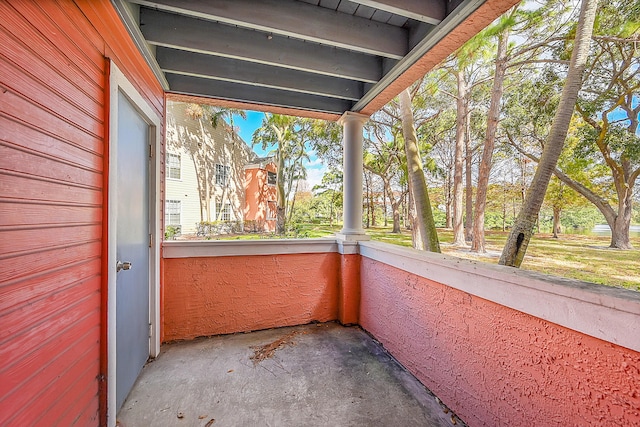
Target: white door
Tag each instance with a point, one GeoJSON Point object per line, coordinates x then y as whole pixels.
{"type": "Point", "coordinates": [132, 248]}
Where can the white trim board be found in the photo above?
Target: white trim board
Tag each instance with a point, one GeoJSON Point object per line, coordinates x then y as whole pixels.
{"type": "Point", "coordinates": [217, 248]}
{"type": "Point", "coordinates": [119, 83]}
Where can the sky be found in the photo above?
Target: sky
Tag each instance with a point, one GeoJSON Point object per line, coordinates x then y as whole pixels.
{"type": "Point", "coordinates": [246, 127]}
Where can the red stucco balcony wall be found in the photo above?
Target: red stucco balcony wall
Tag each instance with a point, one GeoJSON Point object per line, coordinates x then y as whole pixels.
{"type": "Point", "coordinates": [498, 346]}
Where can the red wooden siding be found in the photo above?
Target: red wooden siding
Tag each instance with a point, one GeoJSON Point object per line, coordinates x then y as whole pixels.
{"type": "Point", "coordinates": [53, 143]}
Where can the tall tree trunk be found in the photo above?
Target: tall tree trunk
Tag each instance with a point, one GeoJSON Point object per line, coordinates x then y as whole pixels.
{"type": "Point", "coordinates": [366, 199]}
{"type": "Point", "coordinates": [281, 210]}
{"type": "Point", "coordinates": [428, 238]}
{"type": "Point", "coordinates": [447, 207]}
{"type": "Point", "coordinates": [416, 236]}
{"type": "Point", "coordinates": [293, 202]}
{"type": "Point", "coordinates": [448, 218]}
{"type": "Point", "coordinates": [458, 228]}
{"type": "Point", "coordinates": [199, 185]}
{"type": "Point", "coordinates": [395, 205]}
{"type": "Point", "coordinates": [384, 206]}
{"type": "Point", "coordinates": [504, 208]}
{"type": "Point", "coordinates": [557, 211]}
{"type": "Point", "coordinates": [205, 203]}
{"type": "Point", "coordinates": [407, 203]}
{"type": "Point", "coordinates": [372, 204]}
{"type": "Point", "coordinates": [468, 159]}
{"type": "Point", "coordinates": [620, 229]}
{"type": "Point", "coordinates": [206, 176]}
{"type": "Point", "coordinates": [522, 230]}
{"type": "Point", "coordinates": [478, 244]}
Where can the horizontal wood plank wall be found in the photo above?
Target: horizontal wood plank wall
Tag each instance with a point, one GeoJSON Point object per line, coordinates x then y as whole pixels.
{"type": "Point", "coordinates": [53, 128]}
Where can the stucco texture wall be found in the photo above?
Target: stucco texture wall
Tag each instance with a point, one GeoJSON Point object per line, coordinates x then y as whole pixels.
{"type": "Point", "coordinates": [493, 365]}
{"type": "Point", "coordinates": [258, 195]}
{"type": "Point", "coordinates": [221, 295]}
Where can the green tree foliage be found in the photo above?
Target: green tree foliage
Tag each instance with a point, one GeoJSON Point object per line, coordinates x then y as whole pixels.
{"type": "Point", "coordinates": [522, 230]}
{"type": "Point", "coordinates": [285, 135]}
{"type": "Point", "coordinates": [600, 160]}
{"type": "Point", "coordinates": [329, 196]}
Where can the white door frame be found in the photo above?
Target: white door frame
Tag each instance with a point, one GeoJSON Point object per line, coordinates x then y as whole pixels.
{"type": "Point", "coordinates": [118, 83]}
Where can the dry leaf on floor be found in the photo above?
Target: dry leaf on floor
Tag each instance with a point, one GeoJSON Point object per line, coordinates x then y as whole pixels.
{"type": "Point", "coordinates": [267, 351]}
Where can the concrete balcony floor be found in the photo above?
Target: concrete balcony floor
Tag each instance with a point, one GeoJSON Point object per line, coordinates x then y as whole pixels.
{"type": "Point", "coordinates": [312, 375]}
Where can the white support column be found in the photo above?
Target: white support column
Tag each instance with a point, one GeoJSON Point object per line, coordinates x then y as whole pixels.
{"type": "Point", "coordinates": [352, 125]}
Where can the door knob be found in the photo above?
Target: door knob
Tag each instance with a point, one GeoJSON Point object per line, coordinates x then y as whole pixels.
{"type": "Point", "coordinates": [123, 265]}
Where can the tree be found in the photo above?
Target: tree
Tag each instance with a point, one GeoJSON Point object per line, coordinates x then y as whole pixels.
{"type": "Point", "coordinates": [424, 228]}
{"type": "Point", "coordinates": [462, 102]}
{"type": "Point", "coordinates": [383, 157]}
{"type": "Point", "coordinates": [469, 67]}
{"type": "Point", "coordinates": [331, 188]}
{"type": "Point", "coordinates": [294, 171]}
{"type": "Point", "coordinates": [503, 28]}
{"type": "Point", "coordinates": [560, 197]}
{"type": "Point", "coordinates": [527, 24]}
{"type": "Point", "coordinates": [440, 135]}
{"type": "Point", "coordinates": [225, 115]}
{"type": "Point", "coordinates": [468, 182]}
{"type": "Point", "coordinates": [608, 109]}
{"type": "Point", "coordinates": [521, 232]}
{"type": "Point", "coordinates": [280, 131]}
{"type": "Point", "coordinates": [602, 159]}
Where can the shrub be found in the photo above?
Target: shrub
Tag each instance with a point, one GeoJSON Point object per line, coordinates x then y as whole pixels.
{"type": "Point", "coordinates": [171, 231]}
{"type": "Point", "coordinates": [213, 228]}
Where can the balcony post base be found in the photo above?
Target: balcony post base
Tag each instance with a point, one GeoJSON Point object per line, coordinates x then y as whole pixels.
{"type": "Point", "coordinates": [351, 237]}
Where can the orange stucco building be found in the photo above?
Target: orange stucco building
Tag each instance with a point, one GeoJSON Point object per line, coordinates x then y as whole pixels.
{"type": "Point", "coordinates": [260, 195]}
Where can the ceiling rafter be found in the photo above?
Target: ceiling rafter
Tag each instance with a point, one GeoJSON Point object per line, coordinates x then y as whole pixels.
{"type": "Point", "coordinates": [196, 35]}
{"type": "Point", "coordinates": [313, 58]}
{"type": "Point", "coordinates": [429, 11]}
{"type": "Point", "coordinates": [290, 18]}
{"type": "Point", "coordinates": [189, 85]}
{"type": "Point", "coordinates": [233, 70]}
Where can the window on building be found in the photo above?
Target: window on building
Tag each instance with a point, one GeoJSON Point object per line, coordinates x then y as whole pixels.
{"type": "Point", "coordinates": [271, 178]}
{"type": "Point", "coordinates": [224, 213]}
{"type": "Point", "coordinates": [222, 175]}
{"type": "Point", "coordinates": [272, 210]}
{"type": "Point", "coordinates": [173, 166]}
{"type": "Point", "coordinates": [172, 213]}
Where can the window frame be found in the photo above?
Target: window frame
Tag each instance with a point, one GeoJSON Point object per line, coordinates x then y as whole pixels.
{"type": "Point", "coordinates": [168, 214]}
{"type": "Point", "coordinates": [275, 178]}
{"type": "Point", "coordinates": [221, 213]}
{"type": "Point", "coordinates": [170, 167]}
{"type": "Point", "coordinates": [224, 175]}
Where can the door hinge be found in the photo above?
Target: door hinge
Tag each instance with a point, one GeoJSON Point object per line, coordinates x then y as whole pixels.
{"type": "Point", "coordinates": [151, 151]}
{"type": "Point", "coordinates": [150, 240]}
{"type": "Point", "coordinates": [150, 330]}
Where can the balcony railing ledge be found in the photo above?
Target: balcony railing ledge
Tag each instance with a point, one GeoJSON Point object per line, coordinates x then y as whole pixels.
{"type": "Point", "coordinates": [218, 248]}
{"type": "Point", "coordinates": [608, 313]}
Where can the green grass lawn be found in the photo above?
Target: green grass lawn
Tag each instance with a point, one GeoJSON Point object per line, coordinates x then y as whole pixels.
{"type": "Point", "coordinates": [580, 257]}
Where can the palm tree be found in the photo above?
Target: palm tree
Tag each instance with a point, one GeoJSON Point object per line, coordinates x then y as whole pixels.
{"type": "Point", "coordinates": [522, 230]}
{"type": "Point", "coordinates": [424, 228]}
{"type": "Point", "coordinates": [218, 114]}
